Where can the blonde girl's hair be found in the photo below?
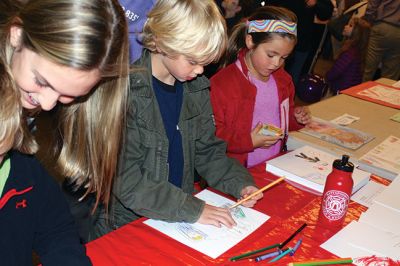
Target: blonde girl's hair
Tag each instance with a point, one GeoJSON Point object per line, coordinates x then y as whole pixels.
{"type": "Point", "coordinates": [85, 35]}
{"type": "Point", "coordinates": [13, 130]}
{"type": "Point", "coordinates": [191, 28]}
{"type": "Point", "coordinates": [237, 39]}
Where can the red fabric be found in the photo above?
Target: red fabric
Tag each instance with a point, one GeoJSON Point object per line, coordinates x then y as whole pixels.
{"type": "Point", "coordinates": [353, 91]}
{"type": "Point", "coordinates": [233, 98]}
{"type": "Point", "coordinates": [289, 207]}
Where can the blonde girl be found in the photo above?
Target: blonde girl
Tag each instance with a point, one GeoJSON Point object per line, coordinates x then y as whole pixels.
{"type": "Point", "coordinates": [72, 52]}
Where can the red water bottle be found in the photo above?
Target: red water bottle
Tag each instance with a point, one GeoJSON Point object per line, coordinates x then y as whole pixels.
{"type": "Point", "coordinates": [337, 193]}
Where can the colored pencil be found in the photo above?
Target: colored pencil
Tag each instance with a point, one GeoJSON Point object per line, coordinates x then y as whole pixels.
{"type": "Point", "coordinates": [257, 192]}
{"type": "Point", "coordinates": [270, 255]}
{"type": "Point", "coordinates": [284, 243]}
{"type": "Point", "coordinates": [287, 251]}
{"type": "Point", "coordinates": [241, 256]}
{"type": "Point", "coordinates": [322, 262]}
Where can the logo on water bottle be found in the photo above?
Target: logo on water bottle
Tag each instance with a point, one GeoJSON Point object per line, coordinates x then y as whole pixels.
{"type": "Point", "coordinates": [335, 204]}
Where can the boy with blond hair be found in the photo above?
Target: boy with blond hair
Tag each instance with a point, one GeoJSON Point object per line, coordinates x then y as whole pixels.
{"type": "Point", "coordinates": [170, 131]}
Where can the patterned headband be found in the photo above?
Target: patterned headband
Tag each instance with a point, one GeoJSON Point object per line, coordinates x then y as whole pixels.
{"type": "Point", "coordinates": [272, 26]}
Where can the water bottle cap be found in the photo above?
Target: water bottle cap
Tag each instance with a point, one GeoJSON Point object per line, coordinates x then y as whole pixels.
{"type": "Point", "coordinates": [344, 164]}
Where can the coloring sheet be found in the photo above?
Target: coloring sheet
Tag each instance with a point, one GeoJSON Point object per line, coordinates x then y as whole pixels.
{"type": "Point", "coordinates": [386, 155]}
{"type": "Point", "coordinates": [382, 93]}
{"type": "Point", "coordinates": [344, 136]}
{"type": "Point", "coordinates": [208, 239]}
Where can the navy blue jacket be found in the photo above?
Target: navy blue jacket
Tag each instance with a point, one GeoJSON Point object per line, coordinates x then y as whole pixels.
{"type": "Point", "coordinates": [34, 216]}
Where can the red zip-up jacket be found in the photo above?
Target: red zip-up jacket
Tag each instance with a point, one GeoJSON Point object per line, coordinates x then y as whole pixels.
{"type": "Point", "coordinates": [233, 98]}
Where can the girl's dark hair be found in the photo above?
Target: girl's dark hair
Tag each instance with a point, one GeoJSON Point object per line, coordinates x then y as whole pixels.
{"type": "Point", "coordinates": [359, 37]}
{"type": "Point", "coordinates": [239, 32]}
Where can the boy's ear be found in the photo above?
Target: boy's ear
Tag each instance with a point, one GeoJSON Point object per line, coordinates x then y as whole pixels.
{"type": "Point", "coordinates": [249, 41]}
{"type": "Point", "coordinates": [15, 36]}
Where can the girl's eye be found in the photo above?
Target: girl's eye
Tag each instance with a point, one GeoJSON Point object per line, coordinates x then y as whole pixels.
{"type": "Point", "coordinates": [39, 83]}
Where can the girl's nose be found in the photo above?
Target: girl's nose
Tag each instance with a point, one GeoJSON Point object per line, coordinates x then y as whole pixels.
{"type": "Point", "coordinates": [49, 99]}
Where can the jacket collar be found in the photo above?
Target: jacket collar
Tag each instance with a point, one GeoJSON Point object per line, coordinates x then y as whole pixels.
{"type": "Point", "coordinates": [141, 78]}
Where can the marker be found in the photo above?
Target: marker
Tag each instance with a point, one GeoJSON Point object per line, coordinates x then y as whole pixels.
{"type": "Point", "coordinates": [281, 255]}
{"type": "Point", "coordinates": [292, 236]}
{"type": "Point", "coordinates": [244, 255]}
{"type": "Point", "coordinates": [296, 247]}
{"type": "Point", "coordinates": [270, 255]}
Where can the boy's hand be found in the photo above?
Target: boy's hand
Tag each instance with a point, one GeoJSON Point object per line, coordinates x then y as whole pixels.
{"type": "Point", "coordinates": [302, 114]}
{"type": "Point", "coordinates": [262, 141]}
{"type": "Point", "coordinates": [216, 216]}
{"type": "Point", "coordinates": [248, 191]}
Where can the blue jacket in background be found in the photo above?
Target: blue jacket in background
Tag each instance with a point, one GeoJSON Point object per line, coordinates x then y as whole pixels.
{"type": "Point", "coordinates": [136, 14]}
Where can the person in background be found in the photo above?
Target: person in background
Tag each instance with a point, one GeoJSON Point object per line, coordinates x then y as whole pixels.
{"type": "Point", "coordinates": [253, 88]}
{"type": "Point", "coordinates": [59, 55]}
{"type": "Point", "coordinates": [348, 67]}
{"type": "Point", "coordinates": [170, 130]}
{"type": "Point", "coordinates": [135, 12]}
{"type": "Point", "coordinates": [384, 39]}
{"type": "Point", "coordinates": [306, 11]}
{"type": "Point", "coordinates": [34, 215]}
{"type": "Point", "coordinates": [235, 10]}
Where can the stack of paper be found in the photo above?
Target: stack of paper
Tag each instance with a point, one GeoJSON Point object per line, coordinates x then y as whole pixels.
{"type": "Point", "coordinates": [309, 167]}
{"type": "Point", "coordinates": [376, 233]}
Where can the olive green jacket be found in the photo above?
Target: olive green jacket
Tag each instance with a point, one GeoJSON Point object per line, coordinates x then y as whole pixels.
{"type": "Point", "coordinates": [142, 189]}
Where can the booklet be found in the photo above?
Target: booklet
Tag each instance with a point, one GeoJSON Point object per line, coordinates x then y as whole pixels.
{"type": "Point", "coordinates": [309, 167]}
{"type": "Point", "coordinates": [340, 135]}
{"type": "Point", "coordinates": [208, 239]}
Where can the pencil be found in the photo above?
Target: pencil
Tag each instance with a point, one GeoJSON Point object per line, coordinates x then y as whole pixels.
{"type": "Point", "coordinates": [284, 243]}
{"type": "Point", "coordinates": [257, 192]}
{"type": "Point", "coordinates": [322, 262]}
{"type": "Point", "coordinates": [253, 252]}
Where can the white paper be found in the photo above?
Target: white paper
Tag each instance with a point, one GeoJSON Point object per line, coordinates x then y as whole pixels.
{"type": "Point", "coordinates": [361, 239]}
{"type": "Point", "coordinates": [366, 195]}
{"type": "Point", "coordinates": [386, 155]}
{"type": "Point", "coordinates": [208, 239]}
{"type": "Point", "coordinates": [345, 119]}
{"type": "Point", "coordinates": [382, 218]}
{"type": "Point", "coordinates": [390, 197]}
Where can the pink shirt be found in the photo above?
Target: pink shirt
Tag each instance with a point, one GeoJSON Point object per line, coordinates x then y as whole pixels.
{"type": "Point", "coordinates": [266, 110]}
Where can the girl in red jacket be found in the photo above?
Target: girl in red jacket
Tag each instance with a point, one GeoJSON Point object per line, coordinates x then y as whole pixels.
{"type": "Point", "coordinates": [253, 89]}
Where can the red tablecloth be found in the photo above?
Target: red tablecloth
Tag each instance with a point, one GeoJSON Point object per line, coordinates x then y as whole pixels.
{"type": "Point", "coordinates": [288, 206]}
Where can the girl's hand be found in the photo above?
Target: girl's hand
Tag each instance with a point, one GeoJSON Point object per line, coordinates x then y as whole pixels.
{"type": "Point", "coordinates": [216, 216]}
{"type": "Point", "coordinates": [248, 191]}
{"type": "Point", "coordinates": [302, 114]}
{"type": "Point", "coordinates": [262, 141]}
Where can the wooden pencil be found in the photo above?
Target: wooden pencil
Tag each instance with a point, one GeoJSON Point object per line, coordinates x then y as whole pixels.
{"type": "Point", "coordinates": [257, 192]}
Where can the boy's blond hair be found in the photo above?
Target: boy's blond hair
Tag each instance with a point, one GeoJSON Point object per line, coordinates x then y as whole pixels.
{"type": "Point", "coordinates": [191, 28]}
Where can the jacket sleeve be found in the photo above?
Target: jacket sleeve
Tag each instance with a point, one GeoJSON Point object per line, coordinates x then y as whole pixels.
{"type": "Point", "coordinates": [339, 67]}
{"type": "Point", "coordinates": [56, 239]}
{"type": "Point", "coordinates": [237, 140]}
{"type": "Point", "coordinates": [220, 171]}
{"type": "Point", "coordinates": [289, 86]}
{"type": "Point", "coordinates": [142, 189]}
